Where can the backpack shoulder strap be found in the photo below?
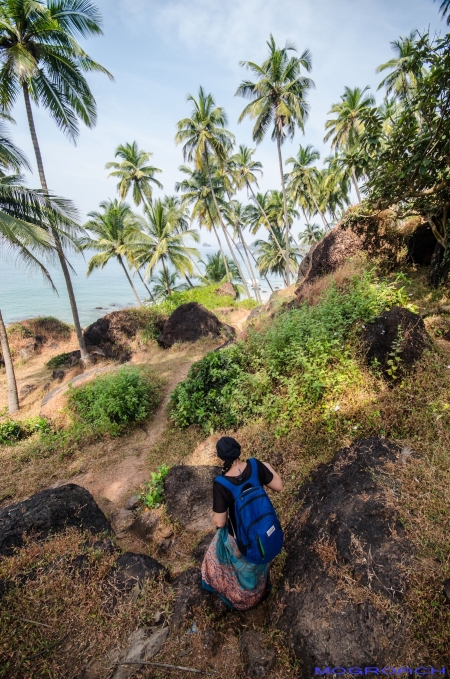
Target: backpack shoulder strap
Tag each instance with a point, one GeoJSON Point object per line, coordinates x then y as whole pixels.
{"type": "Point", "coordinates": [254, 479]}
{"type": "Point", "coordinates": [235, 490]}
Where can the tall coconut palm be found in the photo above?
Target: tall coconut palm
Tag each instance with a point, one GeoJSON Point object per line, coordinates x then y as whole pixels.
{"type": "Point", "coordinates": [244, 169]}
{"type": "Point", "coordinates": [165, 283]}
{"type": "Point", "coordinates": [402, 80]}
{"type": "Point", "coordinates": [111, 230]}
{"type": "Point", "coordinates": [303, 180]}
{"type": "Point", "coordinates": [278, 97]}
{"type": "Point", "coordinates": [215, 271]}
{"type": "Point", "coordinates": [134, 172]}
{"type": "Point", "coordinates": [346, 128]}
{"type": "Point", "coordinates": [196, 191]}
{"type": "Point", "coordinates": [269, 258]}
{"type": "Point", "coordinates": [25, 216]}
{"type": "Point", "coordinates": [311, 234]}
{"type": "Point", "coordinates": [160, 242]}
{"type": "Point", "coordinates": [205, 139]}
{"type": "Point", "coordinates": [42, 61]}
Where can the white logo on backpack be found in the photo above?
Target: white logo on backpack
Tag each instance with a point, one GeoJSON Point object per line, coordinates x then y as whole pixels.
{"type": "Point", "coordinates": [270, 531]}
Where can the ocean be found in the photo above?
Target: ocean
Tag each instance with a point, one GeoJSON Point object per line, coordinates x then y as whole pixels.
{"type": "Point", "coordinates": [25, 295]}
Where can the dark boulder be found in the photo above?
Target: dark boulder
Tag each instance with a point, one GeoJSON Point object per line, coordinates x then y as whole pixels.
{"type": "Point", "coordinates": [50, 511]}
{"type": "Point", "coordinates": [328, 255]}
{"type": "Point", "coordinates": [346, 539]}
{"type": "Point", "coordinates": [58, 375]}
{"type": "Point", "coordinates": [110, 335]}
{"type": "Point", "coordinates": [188, 594]}
{"type": "Point", "coordinates": [129, 573]}
{"type": "Point", "coordinates": [188, 492]}
{"type": "Point", "coordinates": [189, 323]}
{"type": "Point", "coordinates": [446, 588]}
{"type": "Point", "coordinates": [199, 551]}
{"type": "Point", "coordinates": [258, 657]}
{"type": "Point", "coordinates": [395, 341]}
{"type": "Point", "coordinates": [27, 389]}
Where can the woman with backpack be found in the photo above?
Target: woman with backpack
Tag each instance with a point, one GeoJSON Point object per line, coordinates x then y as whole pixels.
{"type": "Point", "coordinates": [249, 535]}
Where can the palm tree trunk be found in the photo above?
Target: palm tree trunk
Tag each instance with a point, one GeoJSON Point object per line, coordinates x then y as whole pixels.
{"type": "Point", "coordinates": [263, 212]}
{"type": "Point", "coordinates": [145, 285]}
{"type": "Point", "coordinates": [129, 279]}
{"type": "Point", "coordinates": [168, 290]}
{"type": "Point", "coordinates": [247, 292]}
{"type": "Point", "coordinates": [220, 244]}
{"type": "Point", "coordinates": [248, 263]}
{"type": "Point", "coordinates": [188, 280]}
{"type": "Point", "coordinates": [85, 357]}
{"type": "Point", "coordinates": [355, 184]}
{"type": "Point", "coordinates": [286, 223]}
{"type": "Point", "coordinates": [249, 266]}
{"type": "Point", "coordinates": [306, 218]}
{"type": "Point", "coordinates": [13, 399]}
{"type": "Point", "coordinates": [325, 223]}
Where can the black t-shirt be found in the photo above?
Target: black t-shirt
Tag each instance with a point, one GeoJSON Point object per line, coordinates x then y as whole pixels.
{"type": "Point", "coordinates": [223, 499]}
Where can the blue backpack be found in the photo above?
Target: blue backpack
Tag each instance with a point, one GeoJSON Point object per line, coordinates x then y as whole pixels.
{"type": "Point", "coordinates": [258, 531]}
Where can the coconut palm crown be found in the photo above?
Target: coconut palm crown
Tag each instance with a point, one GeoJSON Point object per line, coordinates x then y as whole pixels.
{"type": "Point", "coordinates": [134, 172]}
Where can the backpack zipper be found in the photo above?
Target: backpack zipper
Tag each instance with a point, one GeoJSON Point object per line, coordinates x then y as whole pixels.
{"type": "Point", "coordinates": [256, 521]}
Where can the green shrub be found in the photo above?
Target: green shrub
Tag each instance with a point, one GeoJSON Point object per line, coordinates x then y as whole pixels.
{"type": "Point", "coordinates": [205, 295]}
{"type": "Point", "coordinates": [248, 304]}
{"type": "Point", "coordinates": [307, 356]}
{"type": "Point", "coordinates": [154, 493]}
{"type": "Point", "coordinates": [57, 361]}
{"type": "Point", "coordinates": [112, 402]}
{"type": "Point", "coordinates": [154, 321]}
{"type": "Point", "coordinates": [12, 431]}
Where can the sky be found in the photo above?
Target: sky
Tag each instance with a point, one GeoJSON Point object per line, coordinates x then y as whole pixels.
{"type": "Point", "coordinates": [159, 51]}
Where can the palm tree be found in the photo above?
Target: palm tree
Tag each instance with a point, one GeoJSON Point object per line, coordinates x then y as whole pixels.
{"type": "Point", "coordinates": [243, 169]}
{"type": "Point", "coordinates": [204, 139]}
{"type": "Point", "coordinates": [196, 190]}
{"type": "Point", "coordinates": [303, 180]}
{"type": "Point", "coordinates": [215, 271]}
{"type": "Point", "coordinates": [42, 60]}
{"type": "Point", "coordinates": [25, 216]}
{"type": "Point", "coordinates": [160, 241]}
{"type": "Point", "coordinates": [279, 97]}
{"type": "Point", "coordinates": [348, 125]}
{"type": "Point", "coordinates": [402, 79]}
{"type": "Point", "coordinates": [112, 230]}
{"type": "Point", "coordinates": [269, 258]}
{"type": "Point", "coordinates": [134, 173]}
{"type": "Point", "coordinates": [444, 9]}
{"type": "Point", "coordinates": [312, 233]}
{"type": "Point", "coordinates": [165, 283]}
{"type": "Point", "coordinates": [235, 216]}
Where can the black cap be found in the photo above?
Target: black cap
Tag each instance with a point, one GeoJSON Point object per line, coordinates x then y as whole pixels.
{"type": "Point", "coordinates": [228, 448]}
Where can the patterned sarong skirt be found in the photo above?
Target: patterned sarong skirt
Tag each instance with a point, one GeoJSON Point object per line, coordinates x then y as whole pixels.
{"type": "Point", "coordinates": [225, 572]}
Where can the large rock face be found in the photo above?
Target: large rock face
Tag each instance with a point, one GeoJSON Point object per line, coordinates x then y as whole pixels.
{"type": "Point", "coordinates": [395, 340]}
{"type": "Point", "coordinates": [188, 492]}
{"type": "Point", "coordinates": [110, 335]}
{"type": "Point", "coordinates": [50, 511]}
{"type": "Point", "coordinates": [328, 255]}
{"type": "Point", "coordinates": [345, 541]}
{"type": "Point", "coordinates": [189, 322]}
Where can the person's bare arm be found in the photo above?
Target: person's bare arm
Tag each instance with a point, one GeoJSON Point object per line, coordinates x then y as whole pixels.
{"type": "Point", "coordinates": [276, 484]}
{"type": "Point", "coordinates": [220, 519]}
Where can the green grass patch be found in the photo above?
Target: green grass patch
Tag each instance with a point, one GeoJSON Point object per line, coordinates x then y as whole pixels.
{"type": "Point", "coordinates": [306, 357]}
{"type": "Point", "coordinates": [12, 431]}
{"type": "Point", "coordinates": [205, 295]}
{"type": "Point", "coordinates": [111, 403]}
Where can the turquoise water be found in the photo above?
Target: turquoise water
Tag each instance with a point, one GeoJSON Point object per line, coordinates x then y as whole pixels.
{"type": "Point", "coordinates": [24, 295]}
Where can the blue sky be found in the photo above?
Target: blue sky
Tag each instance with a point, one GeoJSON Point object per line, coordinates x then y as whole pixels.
{"type": "Point", "coordinates": [161, 50]}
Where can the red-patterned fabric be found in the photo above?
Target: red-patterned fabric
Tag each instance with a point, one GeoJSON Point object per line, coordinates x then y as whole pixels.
{"type": "Point", "coordinates": [225, 570]}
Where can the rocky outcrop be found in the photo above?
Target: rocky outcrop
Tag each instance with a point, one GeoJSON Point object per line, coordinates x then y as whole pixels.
{"type": "Point", "coordinates": [110, 335]}
{"type": "Point", "coordinates": [189, 323]}
{"type": "Point", "coordinates": [49, 511]}
{"type": "Point", "coordinates": [188, 492]}
{"type": "Point", "coordinates": [421, 245]}
{"type": "Point", "coordinates": [188, 594]}
{"type": "Point", "coordinates": [258, 657]}
{"type": "Point", "coordinates": [328, 255]}
{"type": "Point", "coordinates": [226, 290]}
{"type": "Point", "coordinates": [129, 574]}
{"type": "Point", "coordinates": [142, 645]}
{"type": "Point", "coordinates": [395, 341]}
{"type": "Point", "coordinates": [345, 542]}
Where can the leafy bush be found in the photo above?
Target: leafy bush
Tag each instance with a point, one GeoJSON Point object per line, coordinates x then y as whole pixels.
{"type": "Point", "coordinates": [205, 295]}
{"type": "Point", "coordinates": [57, 361]}
{"type": "Point", "coordinates": [154, 493]}
{"type": "Point", "coordinates": [111, 402]}
{"type": "Point", "coordinates": [12, 431]}
{"type": "Point", "coordinates": [248, 304]}
{"type": "Point", "coordinates": [306, 356]}
{"type": "Point", "coordinates": [154, 321]}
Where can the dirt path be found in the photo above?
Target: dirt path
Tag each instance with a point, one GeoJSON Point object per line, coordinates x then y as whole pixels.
{"type": "Point", "coordinates": [118, 481]}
